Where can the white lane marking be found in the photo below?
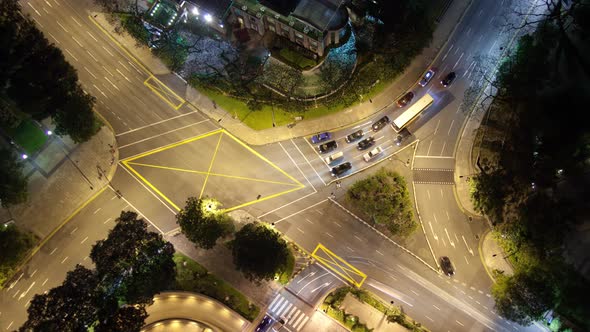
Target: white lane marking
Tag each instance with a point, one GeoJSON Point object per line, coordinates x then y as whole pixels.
{"type": "Point", "coordinates": [448, 237]}
{"type": "Point", "coordinates": [109, 52]}
{"type": "Point", "coordinates": [448, 217]}
{"type": "Point", "coordinates": [71, 17]}
{"type": "Point", "coordinates": [92, 36]}
{"type": "Point", "coordinates": [436, 129]}
{"type": "Point", "coordinates": [432, 230]}
{"type": "Point", "coordinates": [92, 56]}
{"type": "Point", "coordinates": [9, 325]}
{"type": "Point", "coordinates": [379, 252]}
{"type": "Point", "coordinates": [118, 71]}
{"type": "Point", "coordinates": [299, 229]}
{"type": "Point", "coordinates": [337, 224]}
{"type": "Point", "coordinates": [99, 90]}
{"type": "Point", "coordinates": [296, 165]}
{"type": "Point", "coordinates": [74, 231]}
{"type": "Point", "coordinates": [493, 45]}
{"type": "Point", "coordinates": [38, 23]}
{"type": "Point", "coordinates": [105, 68]}
{"type": "Point", "coordinates": [458, 322]}
{"type": "Point", "coordinates": [443, 148]}
{"type": "Point", "coordinates": [468, 249]}
{"type": "Point", "coordinates": [97, 210]}
{"type": "Point", "coordinates": [106, 221]}
{"type": "Point", "coordinates": [32, 274]}
{"type": "Point", "coordinates": [43, 284]}
{"type": "Point", "coordinates": [113, 84]}
{"type": "Point", "coordinates": [53, 251]}
{"type": "Point", "coordinates": [413, 291]}
{"type": "Point", "coordinates": [36, 11]}
{"type": "Point", "coordinates": [309, 221]}
{"type": "Point", "coordinates": [72, 55]}
{"type": "Point", "coordinates": [64, 259]}
{"type": "Point", "coordinates": [66, 30]}
{"type": "Point", "coordinates": [358, 238]}
{"type": "Point", "coordinates": [295, 213]}
{"type": "Point", "coordinates": [450, 127]}
{"type": "Point", "coordinates": [302, 323]}
{"type": "Point", "coordinates": [86, 238]}
{"type": "Point", "coordinates": [330, 235]}
{"type": "Point", "coordinates": [23, 294]}
{"type": "Point", "coordinates": [434, 215]}
{"type": "Point", "coordinates": [349, 248]}
{"type": "Point", "coordinates": [456, 63]}
{"type": "Point", "coordinates": [429, 146]}
{"type": "Point", "coordinates": [89, 72]}
{"type": "Point", "coordinates": [428, 192]}
{"type": "Point", "coordinates": [432, 320]}
{"type": "Point", "coordinates": [78, 42]}
{"type": "Point", "coordinates": [122, 64]}
{"type": "Point", "coordinates": [304, 157]}
{"type": "Point", "coordinates": [52, 36]}
{"type": "Point", "coordinates": [466, 261]}
{"type": "Point", "coordinates": [450, 48]}
{"type": "Point", "coordinates": [437, 308]}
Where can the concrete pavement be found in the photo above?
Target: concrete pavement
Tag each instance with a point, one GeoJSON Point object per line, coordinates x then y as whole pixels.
{"type": "Point", "coordinates": [373, 318]}
{"type": "Point", "coordinates": [494, 257]}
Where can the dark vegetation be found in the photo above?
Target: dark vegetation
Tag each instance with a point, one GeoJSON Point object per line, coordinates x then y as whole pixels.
{"type": "Point", "coordinates": [534, 165]}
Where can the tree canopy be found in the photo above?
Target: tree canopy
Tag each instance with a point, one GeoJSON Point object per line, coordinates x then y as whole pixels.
{"type": "Point", "coordinates": [259, 252]}
{"type": "Point", "coordinates": [13, 184]}
{"type": "Point", "coordinates": [133, 263]}
{"type": "Point", "coordinates": [202, 223]}
{"type": "Point", "coordinates": [14, 244]}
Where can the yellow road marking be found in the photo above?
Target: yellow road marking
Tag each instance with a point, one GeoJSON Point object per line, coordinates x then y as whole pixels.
{"type": "Point", "coordinates": [126, 163]}
{"type": "Point", "coordinates": [345, 270]}
{"type": "Point", "coordinates": [164, 92]}
{"type": "Point", "coordinates": [263, 158]}
{"type": "Point", "coordinates": [211, 165]}
{"type": "Point", "coordinates": [263, 199]}
{"type": "Point", "coordinates": [214, 174]}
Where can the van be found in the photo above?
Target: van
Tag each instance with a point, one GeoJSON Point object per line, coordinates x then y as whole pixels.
{"type": "Point", "coordinates": [333, 157]}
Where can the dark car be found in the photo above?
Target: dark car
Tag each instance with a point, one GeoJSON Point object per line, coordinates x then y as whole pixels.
{"type": "Point", "coordinates": [341, 169]}
{"type": "Point", "coordinates": [320, 137]}
{"type": "Point", "coordinates": [448, 79]}
{"type": "Point", "coordinates": [264, 323]}
{"type": "Point", "coordinates": [366, 143]}
{"type": "Point", "coordinates": [405, 99]}
{"type": "Point", "coordinates": [447, 266]}
{"type": "Point", "coordinates": [401, 136]}
{"type": "Point", "coordinates": [354, 136]}
{"type": "Point", "coordinates": [380, 124]}
{"type": "Point", "coordinates": [427, 77]}
{"type": "Point", "coordinates": [328, 146]}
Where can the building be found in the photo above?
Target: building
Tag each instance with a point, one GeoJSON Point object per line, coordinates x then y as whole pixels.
{"type": "Point", "coordinates": [313, 25]}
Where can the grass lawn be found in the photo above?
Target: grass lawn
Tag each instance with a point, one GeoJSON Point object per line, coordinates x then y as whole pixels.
{"type": "Point", "coordinates": [29, 136]}
{"type": "Point", "coordinates": [192, 277]}
{"type": "Point", "coordinates": [296, 58]}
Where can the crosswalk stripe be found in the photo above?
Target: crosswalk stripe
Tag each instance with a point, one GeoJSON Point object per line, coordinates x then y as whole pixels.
{"type": "Point", "coordinates": [277, 304]}
{"type": "Point", "coordinates": [281, 308]}
{"type": "Point", "coordinates": [286, 309]}
{"type": "Point", "coordinates": [302, 323]}
{"type": "Point", "coordinates": [295, 322]}
{"type": "Point", "coordinates": [290, 314]}
{"type": "Point", "coordinates": [274, 300]}
{"type": "Point", "coordinates": [295, 316]}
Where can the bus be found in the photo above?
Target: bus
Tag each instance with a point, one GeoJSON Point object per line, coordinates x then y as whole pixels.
{"type": "Point", "coordinates": [412, 113]}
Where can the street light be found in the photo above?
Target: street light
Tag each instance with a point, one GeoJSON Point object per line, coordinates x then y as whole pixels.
{"type": "Point", "coordinates": [49, 132]}
{"type": "Point", "coordinates": [208, 18]}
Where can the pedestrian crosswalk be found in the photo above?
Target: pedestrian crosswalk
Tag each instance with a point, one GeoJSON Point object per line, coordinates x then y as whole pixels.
{"type": "Point", "coordinates": [281, 307]}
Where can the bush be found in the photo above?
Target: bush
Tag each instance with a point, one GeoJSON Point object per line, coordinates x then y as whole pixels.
{"type": "Point", "coordinates": [14, 245]}
{"type": "Point", "coordinates": [384, 199]}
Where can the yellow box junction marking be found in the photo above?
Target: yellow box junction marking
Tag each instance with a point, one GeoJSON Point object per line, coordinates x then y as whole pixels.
{"type": "Point", "coordinates": [330, 260]}
{"type": "Point", "coordinates": [129, 163]}
{"type": "Point", "coordinates": [164, 92]}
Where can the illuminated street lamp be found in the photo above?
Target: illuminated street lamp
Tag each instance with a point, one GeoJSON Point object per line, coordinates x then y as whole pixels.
{"type": "Point", "coordinates": [24, 156]}
{"type": "Point", "coordinates": [195, 11]}
{"type": "Point", "coordinates": [208, 18]}
{"type": "Point", "coordinates": [49, 132]}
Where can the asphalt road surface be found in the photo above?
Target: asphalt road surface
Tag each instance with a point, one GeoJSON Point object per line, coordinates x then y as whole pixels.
{"type": "Point", "coordinates": [169, 150]}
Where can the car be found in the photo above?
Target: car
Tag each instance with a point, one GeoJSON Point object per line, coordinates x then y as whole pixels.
{"type": "Point", "coordinates": [427, 77]}
{"type": "Point", "coordinates": [354, 136]}
{"type": "Point", "coordinates": [341, 169]}
{"type": "Point", "coordinates": [328, 146]}
{"type": "Point", "coordinates": [372, 154]}
{"type": "Point", "coordinates": [334, 157]}
{"type": "Point", "coordinates": [380, 123]}
{"type": "Point", "coordinates": [401, 136]}
{"type": "Point", "coordinates": [448, 79]}
{"type": "Point", "coordinates": [447, 266]}
{"type": "Point", "coordinates": [405, 99]}
{"type": "Point", "coordinates": [366, 143]}
{"type": "Point", "coordinates": [264, 323]}
{"type": "Point", "coordinates": [320, 137]}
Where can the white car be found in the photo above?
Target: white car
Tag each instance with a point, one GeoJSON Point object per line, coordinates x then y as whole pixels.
{"type": "Point", "coordinates": [372, 154]}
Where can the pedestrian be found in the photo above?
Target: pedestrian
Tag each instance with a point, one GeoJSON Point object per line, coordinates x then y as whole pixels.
{"type": "Point", "coordinates": [214, 105]}
{"type": "Point", "coordinates": [370, 100]}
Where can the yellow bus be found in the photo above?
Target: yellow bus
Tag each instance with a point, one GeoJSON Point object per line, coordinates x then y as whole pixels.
{"type": "Point", "coordinates": [412, 113]}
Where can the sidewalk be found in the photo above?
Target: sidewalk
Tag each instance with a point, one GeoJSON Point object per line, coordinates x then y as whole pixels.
{"type": "Point", "coordinates": [373, 318]}
{"type": "Point", "coordinates": [361, 111]}
{"type": "Point", "coordinates": [59, 179]}
{"type": "Point", "coordinates": [493, 257]}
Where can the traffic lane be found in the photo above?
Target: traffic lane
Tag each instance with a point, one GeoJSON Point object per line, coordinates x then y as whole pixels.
{"type": "Point", "coordinates": [314, 283]}
{"type": "Point", "coordinates": [69, 246]}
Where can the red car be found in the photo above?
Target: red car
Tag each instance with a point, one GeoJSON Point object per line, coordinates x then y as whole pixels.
{"type": "Point", "coordinates": [405, 99]}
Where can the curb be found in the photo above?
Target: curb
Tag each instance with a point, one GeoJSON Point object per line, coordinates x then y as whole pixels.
{"type": "Point", "coordinates": [479, 248]}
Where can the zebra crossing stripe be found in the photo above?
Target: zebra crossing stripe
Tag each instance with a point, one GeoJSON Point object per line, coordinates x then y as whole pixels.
{"type": "Point", "coordinates": [286, 309]}
{"type": "Point", "coordinates": [291, 312]}
{"type": "Point", "coordinates": [302, 323]}
{"type": "Point", "coordinates": [281, 308]}
{"type": "Point", "coordinates": [278, 303]}
{"type": "Point", "coordinates": [274, 300]}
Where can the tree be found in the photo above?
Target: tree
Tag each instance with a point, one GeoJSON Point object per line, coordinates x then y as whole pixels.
{"type": "Point", "coordinates": [202, 224]}
{"type": "Point", "coordinates": [124, 319]}
{"type": "Point", "coordinates": [525, 296]}
{"type": "Point", "coordinates": [132, 263]}
{"type": "Point", "coordinates": [13, 184]}
{"type": "Point", "coordinates": [76, 118]}
{"type": "Point", "coordinates": [14, 244]}
{"type": "Point", "coordinates": [68, 307]}
{"type": "Point", "coordinates": [259, 252]}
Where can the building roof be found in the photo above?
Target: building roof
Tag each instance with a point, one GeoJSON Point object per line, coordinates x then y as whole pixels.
{"type": "Point", "coordinates": [283, 7]}
{"type": "Point", "coordinates": [323, 14]}
{"type": "Point", "coordinates": [216, 8]}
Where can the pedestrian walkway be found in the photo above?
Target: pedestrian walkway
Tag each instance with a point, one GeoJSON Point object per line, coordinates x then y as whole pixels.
{"type": "Point", "coordinates": [290, 310]}
{"type": "Point", "coordinates": [493, 257]}
{"type": "Point", "coordinates": [373, 318]}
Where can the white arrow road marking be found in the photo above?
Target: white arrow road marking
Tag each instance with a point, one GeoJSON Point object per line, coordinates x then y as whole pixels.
{"type": "Point", "coordinates": [468, 249]}
{"type": "Point", "coordinates": [448, 237]}
{"type": "Point", "coordinates": [432, 229]}
{"type": "Point", "coordinates": [320, 287]}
